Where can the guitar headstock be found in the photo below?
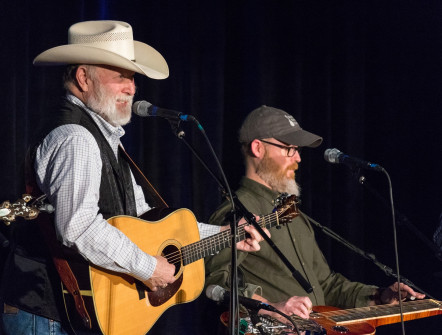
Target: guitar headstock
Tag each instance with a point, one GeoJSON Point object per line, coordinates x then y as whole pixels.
{"type": "Point", "coordinates": [286, 207]}
{"type": "Point", "coordinates": [9, 212]}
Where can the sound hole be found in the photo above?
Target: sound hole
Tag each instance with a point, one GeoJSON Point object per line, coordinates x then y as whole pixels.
{"type": "Point", "coordinates": [173, 256]}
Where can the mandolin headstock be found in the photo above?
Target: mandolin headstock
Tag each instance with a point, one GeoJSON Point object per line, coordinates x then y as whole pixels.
{"type": "Point", "coordinates": [22, 208]}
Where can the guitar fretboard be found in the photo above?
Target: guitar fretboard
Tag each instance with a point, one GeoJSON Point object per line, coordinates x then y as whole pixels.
{"type": "Point", "coordinates": [213, 244]}
{"type": "Point", "coordinates": [376, 312]}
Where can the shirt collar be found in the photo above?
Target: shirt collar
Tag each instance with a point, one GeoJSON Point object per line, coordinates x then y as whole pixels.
{"type": "Point", "coordinates": [259, 189]}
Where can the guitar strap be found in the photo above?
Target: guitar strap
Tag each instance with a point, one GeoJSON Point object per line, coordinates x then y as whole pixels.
{"type": "Point", "coordinates": [153, 198]}
{"type": "Point", "coordinates": [46, 225]}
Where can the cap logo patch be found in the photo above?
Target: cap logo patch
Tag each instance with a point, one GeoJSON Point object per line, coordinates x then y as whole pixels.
{"type": "Point", "coordinates": [291, 119]}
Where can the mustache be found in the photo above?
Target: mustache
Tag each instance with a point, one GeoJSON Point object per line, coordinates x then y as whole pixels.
{"type": "Point", "coordinates": [125, 99]}
{"type": "Point", "coordinates": [293, 167]}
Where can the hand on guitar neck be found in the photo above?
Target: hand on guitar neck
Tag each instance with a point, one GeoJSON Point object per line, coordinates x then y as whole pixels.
{"type": "Point", "coordinates": [250, 243]}
{"type": "Point", "coordinates": [389, 295]}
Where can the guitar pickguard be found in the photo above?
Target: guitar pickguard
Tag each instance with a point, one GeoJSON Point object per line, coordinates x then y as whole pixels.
{"type": "Point", "coordinates": [160, 296]}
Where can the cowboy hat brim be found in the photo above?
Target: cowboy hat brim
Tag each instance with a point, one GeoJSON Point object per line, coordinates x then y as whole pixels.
{"type": "Point", "coordinates": [148, 61]}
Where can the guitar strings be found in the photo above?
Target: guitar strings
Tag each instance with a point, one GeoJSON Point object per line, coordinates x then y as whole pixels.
{"type": "Point", "coordinates": [176, 257]}
{"type": "Point", "coordinates": [381, 310]}
{"type": "Point", "coordinates": [212, 242]}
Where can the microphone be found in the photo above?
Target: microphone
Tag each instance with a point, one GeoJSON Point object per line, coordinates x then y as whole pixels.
{"type": "Point", "coordinates": [143, 108]}
{"type": "Point", "coordinates": [337, 157]}
{"type": "Point", "coordinates": [219, 294]}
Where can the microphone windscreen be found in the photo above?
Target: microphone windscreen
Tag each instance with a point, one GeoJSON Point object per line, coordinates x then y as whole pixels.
{"type": "Point", "coordinates": [331, 155]}
{"type": "Point", "coordinates": [141, 108]}
{"type": "Point", "coordinates": [215, 292]}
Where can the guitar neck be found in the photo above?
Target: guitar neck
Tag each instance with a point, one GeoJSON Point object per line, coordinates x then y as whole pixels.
{"type": "Point", "coordinates": [213, 244]}
{"type": "Point", "coordinates": [385, 314]}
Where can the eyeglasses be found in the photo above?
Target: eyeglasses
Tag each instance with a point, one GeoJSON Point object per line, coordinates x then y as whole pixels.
{"type": "Point", "coordinates": [291, 151]}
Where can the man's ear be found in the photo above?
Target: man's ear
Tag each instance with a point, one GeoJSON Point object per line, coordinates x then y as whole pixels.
{"type": "Point", "coordinates": [257, 148]}
{"type": "Point", "coordinates": [83, 81]}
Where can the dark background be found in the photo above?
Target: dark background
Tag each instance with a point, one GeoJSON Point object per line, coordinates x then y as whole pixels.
{"type": "Point", "coordinates": [365, 75]}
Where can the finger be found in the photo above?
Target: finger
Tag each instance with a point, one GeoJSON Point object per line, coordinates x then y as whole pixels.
{"type": "Point", "coordinates": [308, 308]}
{"type": "Point", "coordinates": [252, 231]}
{"type": "Point", "coordinates": [254, 234]}
{"type": "Point", "coordinates": [256, 245]}
{"type": "Point", "coordinates": [255, 238]}
{"type": "Point", "coordinates": [415, 295]}
{"type": "Point", "coordinates": [407, 291]}
{"type": "Point", "coordinates": [252, 245]}
{"type": "Point", "coordinates": [304, 312]}
{"type": "Point", "coordinates": [267, 232]}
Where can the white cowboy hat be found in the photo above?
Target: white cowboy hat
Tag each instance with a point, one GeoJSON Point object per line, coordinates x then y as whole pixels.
{"type": "Point", "coordinates": [106, 43]}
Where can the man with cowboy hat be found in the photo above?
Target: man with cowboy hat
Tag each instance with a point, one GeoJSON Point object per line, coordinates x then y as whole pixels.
{"type": "Point", "coordinates": [79, 165]}
{"type": "Point", "coordinates": [271, 142]}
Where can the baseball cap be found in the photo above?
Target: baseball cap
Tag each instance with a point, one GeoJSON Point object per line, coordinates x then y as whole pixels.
{"type": "Point", "coordinates": [270, 122]}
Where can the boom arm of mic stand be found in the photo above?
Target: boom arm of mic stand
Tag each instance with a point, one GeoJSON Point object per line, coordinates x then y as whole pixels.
{"type": "Point", "coordinates": [387, 270]}
{"type": "Point", "coordinates": [250, 218]}
{"type": "Point", "coordinates": [402, 220]}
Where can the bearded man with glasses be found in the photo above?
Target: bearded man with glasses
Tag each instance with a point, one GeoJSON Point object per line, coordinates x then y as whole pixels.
{"type": "Point", "coordinates": [271, 143]}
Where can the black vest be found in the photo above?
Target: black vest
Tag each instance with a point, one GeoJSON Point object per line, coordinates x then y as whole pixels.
{"type": "Point", "coordinates": [30, 280]}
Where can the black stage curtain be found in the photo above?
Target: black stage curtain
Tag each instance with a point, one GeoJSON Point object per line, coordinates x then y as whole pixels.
{"type": "Point", "coordinates": [365, 74]}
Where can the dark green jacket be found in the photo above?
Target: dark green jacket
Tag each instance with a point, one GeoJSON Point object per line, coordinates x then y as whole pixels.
{"type": "Point", "coordinates": [264, 273]}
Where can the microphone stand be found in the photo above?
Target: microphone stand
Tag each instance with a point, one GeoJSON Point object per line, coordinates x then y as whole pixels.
{"type": "Point", "coordinates": [237, 206]}
{"type": "Point", "coordinates": [387, 270]}
{"type": "Point", "coordinates": [233, 307]}
{"type": "Point", "coordinates": [402, 220]}
{"type": "Point", "coordinates": [251, 219]}
{"type": "Point", "coordinates": [356, 170]}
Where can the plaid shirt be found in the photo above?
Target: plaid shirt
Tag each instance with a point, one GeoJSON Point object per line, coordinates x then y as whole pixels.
{"type": "Point", "coordinates": [68, 167]}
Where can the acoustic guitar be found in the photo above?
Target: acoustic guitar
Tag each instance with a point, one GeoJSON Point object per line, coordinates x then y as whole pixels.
{"type": "Point", "coordinates": [334, 321]}
{"type": "Point", "coordinates": [118, 304]}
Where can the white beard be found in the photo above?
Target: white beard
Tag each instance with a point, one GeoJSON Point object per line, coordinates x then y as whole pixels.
{"type": "Point", "coordinates": [104, 104]}
{"type": "Point", "coordinates": [276, 178]}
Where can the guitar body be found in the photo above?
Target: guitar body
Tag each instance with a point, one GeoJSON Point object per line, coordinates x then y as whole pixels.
{"type": "Point", "coordinates": [332, 328]}
{"type": "Point", "coordinates": [333, 321]}
{"type": "Point", "coordinates": [123, 305]}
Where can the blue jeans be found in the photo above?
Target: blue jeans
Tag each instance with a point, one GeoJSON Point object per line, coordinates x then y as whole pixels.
{"type": "Point", "coordinates": [24, 323]}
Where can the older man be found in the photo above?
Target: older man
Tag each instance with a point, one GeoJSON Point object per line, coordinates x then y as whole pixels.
{"type": "Point", "coordinates": [78, 163]}
{"type": "Point", "coordinates": [271, 145]}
